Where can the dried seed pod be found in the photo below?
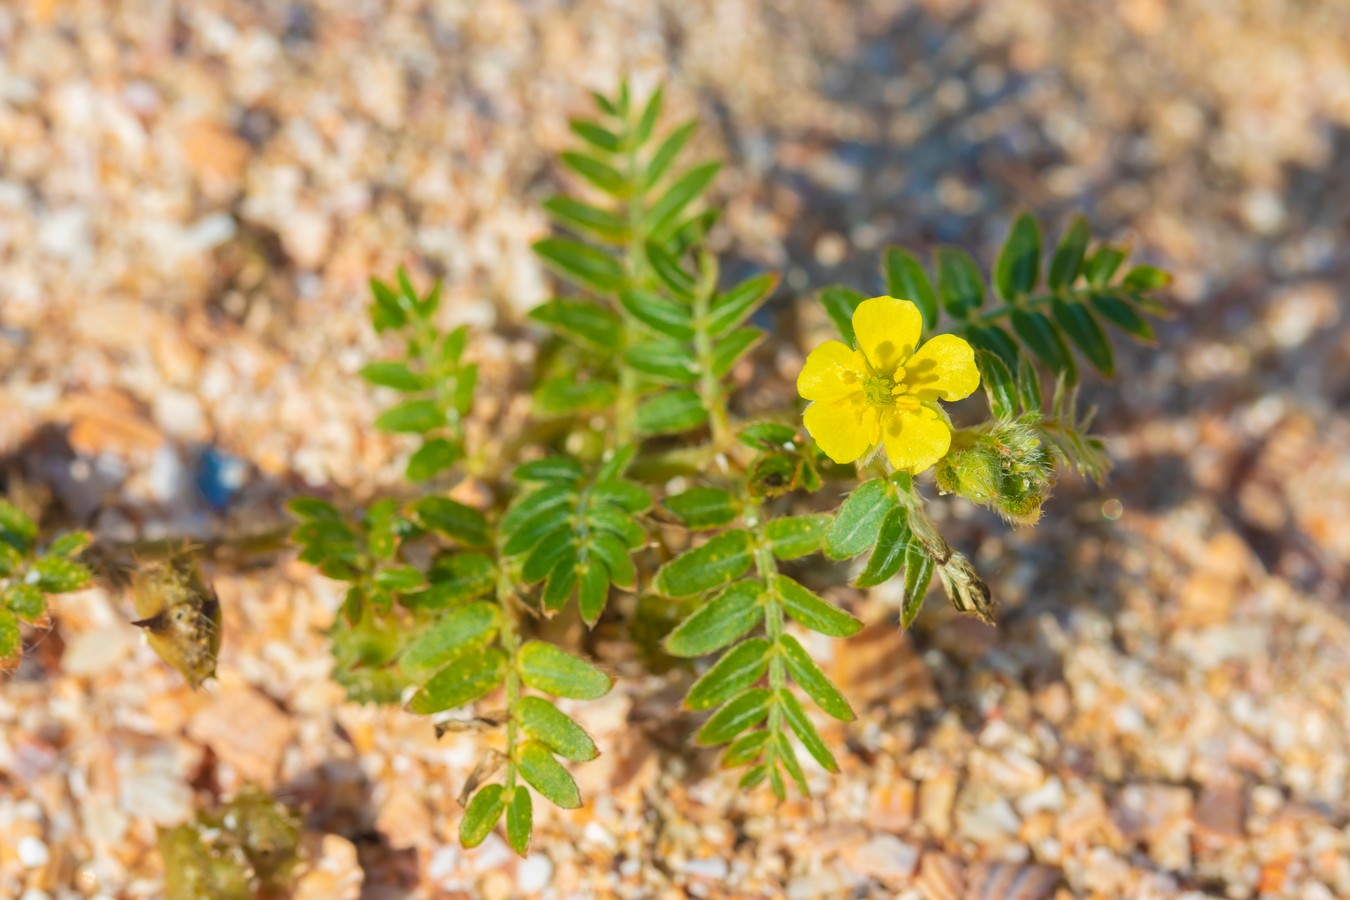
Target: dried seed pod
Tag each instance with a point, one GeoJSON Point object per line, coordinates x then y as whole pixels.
{"type": "Point", "coordinates": [180, 613]}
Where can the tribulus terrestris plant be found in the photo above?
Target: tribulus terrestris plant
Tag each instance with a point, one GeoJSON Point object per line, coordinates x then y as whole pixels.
{"type": "Point", "coordinates": [648, 483]}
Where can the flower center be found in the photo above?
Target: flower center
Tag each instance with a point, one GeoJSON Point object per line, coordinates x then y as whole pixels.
{"type": "Point", "coordinates": [879, 390]}
{"type": "Point", "coordinates": [886, 390]}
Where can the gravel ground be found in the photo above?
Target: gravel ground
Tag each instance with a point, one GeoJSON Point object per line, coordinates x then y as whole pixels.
{"type": "Point", "coordinates": [192, 195]}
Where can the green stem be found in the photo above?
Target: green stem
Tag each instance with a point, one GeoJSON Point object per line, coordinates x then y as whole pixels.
{"type": "Point", "coordinates": [1031, 303]}
{"type": "Point", "coordinates": [510, 641]}
{"type": "Point", "coordinates": [625, 407]}
{"type": "Point", "coordinates": [767, 567]}
{"type": "Point", "coordinates": [710, 386]}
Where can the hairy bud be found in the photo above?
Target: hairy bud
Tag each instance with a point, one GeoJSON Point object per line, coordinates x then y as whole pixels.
{"type": "Point", "coordinates": [1006, 468]}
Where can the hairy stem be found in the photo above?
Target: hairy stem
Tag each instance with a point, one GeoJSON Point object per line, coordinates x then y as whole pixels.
{"type": "Point", "coordinates": [767, 567]}
{"type": "Point", "coordinates": [510, 640]}
{"type": "Point", "coordinates": [625, 408]}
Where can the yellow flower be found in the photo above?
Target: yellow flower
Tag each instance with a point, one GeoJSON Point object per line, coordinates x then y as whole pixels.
{"type": "Point", "coordinates": [887, 390]}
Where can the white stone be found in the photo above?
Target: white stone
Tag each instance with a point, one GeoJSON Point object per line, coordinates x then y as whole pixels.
{"type": "Point", "coordinates": [33, 852]}
{"type": "Point", "coordinates": [534, 873]}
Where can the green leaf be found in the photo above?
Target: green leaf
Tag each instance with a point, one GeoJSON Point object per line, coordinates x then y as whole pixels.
{"type": "Point", "coordinates": [562, 578]}
{"type": "Point", "coordinates": [454, 579]}
{"type": "Point", "coordinates": [741, 667]}
{"type": "Point", "coordinates": [722, 559]}
{"type": "Point", "coordinates": [553, 670]}
{"type": "Point", "coordinates": [432, 302]}
{"type": "Point", "coordinates": [547, 553]}
{"type": "Point", "coordinates": [1102, 264]}
{"type": "Point", "coordinates": [1034, 328]}
{"type": "Point", "coordinates": [1019, 261]}
{"type": "Point", "coordinates": [812, 611]}
{"type": "Point", "coordinates": [11, 639]}
{"type": "Point", "coordinates": [452, 519]}
{"type": "Point", "coordinates": [435, 455]}
{"type": "Point", "coordinates": [386, 312]}
{"type": "Point", "coordinates": [1145, 278]}
{"type": "Point", "coordinates": [651, 113]}
{"type": "Point", "coordinates": [1068, 259]}
{"type": "Point", "coordinates": [667, 152]}
{"type": "Point", "coordinates": [592, 592]}
{"type": "Point", "coordinates": [24, 600]}
{"type": "Point", "coordinates": [813, 681]}
{"type": "Point", "coordinates": [959, 282]}
{"type": "Point", "coordinates": [806, 732]}
{"type": "Point", "coordinates": [485, 809]}
{"type": "Point", "coordinates": [596, 135]}
{"type": "Point", "coordinates": [889, 554]}
{"type": "Point", "coordinates": [658, 314]}
{"type": "Point", "coordinates": [605, 104]}
{"type": "Point", "coordinates": [561, 469]}
{"type": "Point", "coordinates": [906, 280]}
{"type": "Point", "coordinates": [793, 536]}
{"type": "Point", "coordinates": [608, 518]}
{"type": "Point", "coordinates": [664, 361]}
{"type": "Point", "coordinates": [563, 396]}
{"type": "Point", "coordinates": [671, 413]}
{"type": "Point", "coordinates": [739, 303]}
{"type": "Point", "coordinates": [703, 507]}
{"type": "Point", "coordinates": [520, 820]}
{"type": "Point", "coordinates": [544, 722]}
{"type": "Point", "coordinates": [668, 271]}
{"type": "Point", "coordinates": [614, 554]}
{"type": "Point", "coordinates": [686, 189]}
{"type": "Point", "coordinates": [399, 578]}
{"type": "Point", "coordinates": [473, 675]}
{"type": "Point", "coordinates": [787, 757]}
{"type": "Point", "coordinates": [1028, 386]}
{"type": "Point", "coordinates": [839, 303]}
{"type": "Point", "coordinates": [588, 323]}
{"type": "Point", "coordinates": [529, 505]}
{"type": "Point", "coordinates": [728, 352]}
{"type": "Point", "coordinates": [466, 628]}
{"type": "Point", "coordinates": [627, 495]}
{"type": "Point", "coordinates": [616, 462]}
{"type": "Point", "coordinates": [582, 263]}
{"type": "Point", "coordinates": [918, 575]}
{"type": "Point", "coordinates": [746, 710]}
{"type": "Point", "coordinates": [1122, 315]}
{"type": "Point", "coordinates": [394, 375]}
{"type": "Point", "coordinates": [753, 777]}
{"type": "Point", "coordinates": [546, 775]}
{"type": "Point", "coordinates": [11, 560]}
{"type": "Point", "coordinates": [452, 348]}
{"type": "Point", "coordinates": [465, 382]}
{"type": "Point", "coordinates": [744, 749]}
{"type": "Point", "coordinates": [1084, 331]}
{"type": "Point", "coordinates": [999, 385]}
{"type": "Point", "coordinates": [856, 524]}
{"type": "Point", "coordinates": [584, 218]}
{"type": "Point", "coordinates": [718, 623]}
{"type": "Point", "coordinates": [58, 575]}
{"type": "Point", "coordinates": [413, 417]}
{"type": "Point", "coordinates": [995, 340]}
{"type": "Point", "coordinates": [598, 173]}
{"type": "Point", "coordinates": [313, 508]}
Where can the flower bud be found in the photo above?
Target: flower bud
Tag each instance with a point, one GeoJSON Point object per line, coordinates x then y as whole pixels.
{"type": "Point", "coordinates": [1006, 468]}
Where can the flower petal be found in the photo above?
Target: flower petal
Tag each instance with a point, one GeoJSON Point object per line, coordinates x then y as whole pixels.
{"type": "Point", "coordinates": [914, 438]}
{"type": "Point", "coordinates": [831, 370]}
{"type": "Point", "coordinates": [944, 367]}
{"type": "Point", "coordinates": [844, 427]}
{"type": "Point", "coordinates": [887, 330]}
